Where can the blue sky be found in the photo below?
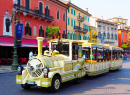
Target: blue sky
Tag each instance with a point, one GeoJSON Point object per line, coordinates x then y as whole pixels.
{"type": "Point", "coordinates": [106, 8]}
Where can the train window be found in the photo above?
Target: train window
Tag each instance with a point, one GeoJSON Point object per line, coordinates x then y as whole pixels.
{"type": "Point", "coordinates": [75, 48]}
{"type": "Point", "coordinates": [63, 48]}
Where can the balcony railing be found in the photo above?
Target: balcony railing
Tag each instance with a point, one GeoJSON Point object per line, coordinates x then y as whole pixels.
{"type": "Point", "coordinates": [34, 13]}
{"type": "Point", "coordinates": [79, 29]}
{"type": "Point", "coordinates": [80, 18]}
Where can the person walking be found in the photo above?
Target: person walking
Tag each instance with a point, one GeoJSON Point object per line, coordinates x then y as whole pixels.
{"type": "Point", "coordinates": [30, 54]}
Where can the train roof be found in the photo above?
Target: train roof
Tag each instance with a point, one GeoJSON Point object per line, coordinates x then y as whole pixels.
{"type": "Point", "coordinates": [67, 40]}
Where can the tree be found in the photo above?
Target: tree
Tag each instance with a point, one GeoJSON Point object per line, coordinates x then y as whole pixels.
{"type": "Point", "coordinates": [124, 46]}
{"type": "Point", "coordinates": [52, 31]}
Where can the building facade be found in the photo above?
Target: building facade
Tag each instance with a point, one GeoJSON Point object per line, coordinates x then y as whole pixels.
{"type": "Point", "coordinates": [123, 36]}
{"type": "Point", "coordinates": [93, 34]}
{"type": "Point", "coordinates": [106, 31]}
{"type": "Point", "coordinates": [78, 22]}
{"type": "Point", "coordinates": [36, 16]}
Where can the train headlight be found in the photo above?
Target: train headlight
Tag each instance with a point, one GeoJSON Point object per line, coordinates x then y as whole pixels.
{"type": "Point", "coordinates": [45, 71]}
{"type": "Point", "coordinates": [20, 69]}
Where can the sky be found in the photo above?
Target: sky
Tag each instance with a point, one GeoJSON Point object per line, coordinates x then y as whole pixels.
{"type": "Point", "coordinates": [106, 8]}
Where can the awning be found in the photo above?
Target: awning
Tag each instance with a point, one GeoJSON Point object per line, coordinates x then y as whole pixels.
{"type": "Point", "coordinates": [9, 41]}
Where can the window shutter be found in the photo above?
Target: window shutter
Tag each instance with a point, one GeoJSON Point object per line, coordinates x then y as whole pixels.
{"type": "Point", "coordinates": [42, 33]}
{"type": "Point", "coordinates": [74, 36]}
{"type": "Point", "coordinates": [68, 21]}
{"type": "Point", "coordinates": [71, 36]}
{"type": "Point", "coordinates": [71, 22]}
{"type": "Point", "coordinates": [74, 23]}
{"type": "Point", "coordinates": [69, 10]}
{"type": "Point", "coordinates": [48, 12]}
{"type": "Point", "coordinates": [26, 30]}
{"type": "Point", "coordinates": [45, 11]}
{"type": "Point", "coordinates": [74, 12]}
{"type": "Point", "coordinates": [30, 31]}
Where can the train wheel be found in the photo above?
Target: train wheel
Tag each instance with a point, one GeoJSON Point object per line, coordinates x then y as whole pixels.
{"type": "Point", "coordinates": [25, 86]}
{"type": "Point", "coordinates": [55, 86]}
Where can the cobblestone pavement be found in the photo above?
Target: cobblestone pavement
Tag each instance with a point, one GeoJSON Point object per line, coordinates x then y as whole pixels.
{"type": "Point", "coordinates": [112, 83]}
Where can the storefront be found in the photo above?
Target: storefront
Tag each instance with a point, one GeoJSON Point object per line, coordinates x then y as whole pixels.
{"type": "Point", "coordinates": [7, 43]}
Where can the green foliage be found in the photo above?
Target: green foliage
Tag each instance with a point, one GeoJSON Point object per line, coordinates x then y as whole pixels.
{"type": "Point", "coordinates": [125, 46]}
{"type": "Point", "coordinates": [52, 31]}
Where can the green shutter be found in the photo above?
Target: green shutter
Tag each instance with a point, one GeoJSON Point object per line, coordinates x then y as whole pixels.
{"type": "Point", "coordinates": [71, 22]}
{"type": "Point", "coordinates": [85, 38]}
{"type": "Point", "coordinates": [74, 22]}
{"type": "Point", "coordinates": [79, 37]}
{"type": "Point", "coordinates": [79, 24]}
{"type": "Point", "coordinates": [88, 19]}
{"type": "Point", "coordinates": [68, 21]}
{"type": "Point", "coordinates": [74, 36]}
{"type": "Point", "coordinates": [74, 12]}
{"type": "Point", "coordinates": [69, 10]}
{"type": "Point", "coordinates": [71, 36]}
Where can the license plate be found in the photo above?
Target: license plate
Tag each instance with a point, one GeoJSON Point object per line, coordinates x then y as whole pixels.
{"type": "Point", "coordinates": [30, 82]}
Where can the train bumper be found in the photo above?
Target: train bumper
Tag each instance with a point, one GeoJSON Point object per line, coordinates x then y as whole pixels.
{"type": "Point", "coordinates": [41, 82]}
{"type": "Point", "coordinates": [45, 82]}
{"type": "Point", "coordinates": [18, 79]}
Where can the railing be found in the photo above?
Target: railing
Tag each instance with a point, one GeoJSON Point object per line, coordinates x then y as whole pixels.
{"type": "Point", "coordinates": [80, 18]}
{"type": "Point", "coordinates": [77, 28]}
{"type": "Point", "coordinates": [34, 12]}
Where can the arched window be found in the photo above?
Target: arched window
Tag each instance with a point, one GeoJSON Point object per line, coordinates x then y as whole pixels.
{"type": "Point", "coordinates": [27, 29]}
{"type": "Point", "coordinates": [47, 11]}
{"type": "Point", "coordinates": [41, 31]}
{"type": "Point", "coordinates": [115, 36]}
{"type": "Point", "coordinates": [27, 4]}
{"type": "Point", "coordinates": [108, 36]}
{"type": "Point", "coordinates": [41, 7]}
{"type": "Point", "coordinates": [8, 23]}
{"type": "Point", "coordinates": [46, 33]}
{"type": "Point", "coordinates": [99, 34]}
{"type": "Point", "coordinates": [111, 36]}
{"type": "Point", "coordinates": [34, 30]}
{"type": "Point", "coordinates": [64, 34]}
{"type": "Point", "coordinates": [104, 34]}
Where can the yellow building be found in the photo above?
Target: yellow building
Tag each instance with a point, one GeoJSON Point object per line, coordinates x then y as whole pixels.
{"type": "Point", "coordinates": [93, 34]}
{"type": "Point", "coordinates": [78, 22]}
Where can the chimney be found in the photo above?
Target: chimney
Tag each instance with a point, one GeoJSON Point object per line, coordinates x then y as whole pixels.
{"type": "Point", "coordinates": [39, 40]}
{"type": "Point", "coordinates": [86, 9]}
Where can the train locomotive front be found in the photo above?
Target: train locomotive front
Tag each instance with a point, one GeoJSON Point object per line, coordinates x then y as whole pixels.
{"type": "Point", "coordinates": [49, 70]}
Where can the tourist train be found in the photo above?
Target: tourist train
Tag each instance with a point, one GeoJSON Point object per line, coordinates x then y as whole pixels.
{"type": "Point", "coordinates": [67, 60]}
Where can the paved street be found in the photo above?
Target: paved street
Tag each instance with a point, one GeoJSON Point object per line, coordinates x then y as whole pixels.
{"type": "Point", "coordinates": [117, 83]}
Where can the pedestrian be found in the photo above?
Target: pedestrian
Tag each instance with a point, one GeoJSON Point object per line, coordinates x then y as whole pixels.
{"type": "Point", "coordinates": [30, 54]}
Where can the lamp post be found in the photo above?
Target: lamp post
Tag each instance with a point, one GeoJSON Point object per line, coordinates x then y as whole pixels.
{"type": "Point", "coordinates": [15, 56]}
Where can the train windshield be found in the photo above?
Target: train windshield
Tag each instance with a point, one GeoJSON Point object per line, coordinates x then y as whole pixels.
{"type": "Point", "coordinates": [62, 47]}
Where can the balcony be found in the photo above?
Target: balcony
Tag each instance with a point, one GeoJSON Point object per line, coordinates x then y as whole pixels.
{"type": "Point", "coordinates": [35, 13]}
{"type": "Point", "coordinates": [80, 19]}
{"type": "Point", "coordinates": [81, 30]}
{"type": "Point", "coordinates": [109, 41]}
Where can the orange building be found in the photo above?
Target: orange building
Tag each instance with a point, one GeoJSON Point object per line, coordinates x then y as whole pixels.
{"type": "Point", "coordinates": [122, 37]}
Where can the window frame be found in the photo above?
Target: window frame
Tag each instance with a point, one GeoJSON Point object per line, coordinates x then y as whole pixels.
{"type": "Point", "coordinates": [57, 15]}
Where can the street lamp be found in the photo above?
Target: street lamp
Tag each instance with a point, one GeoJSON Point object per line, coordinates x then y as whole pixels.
{"type": "Point", "coordinates": [15, 56]}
